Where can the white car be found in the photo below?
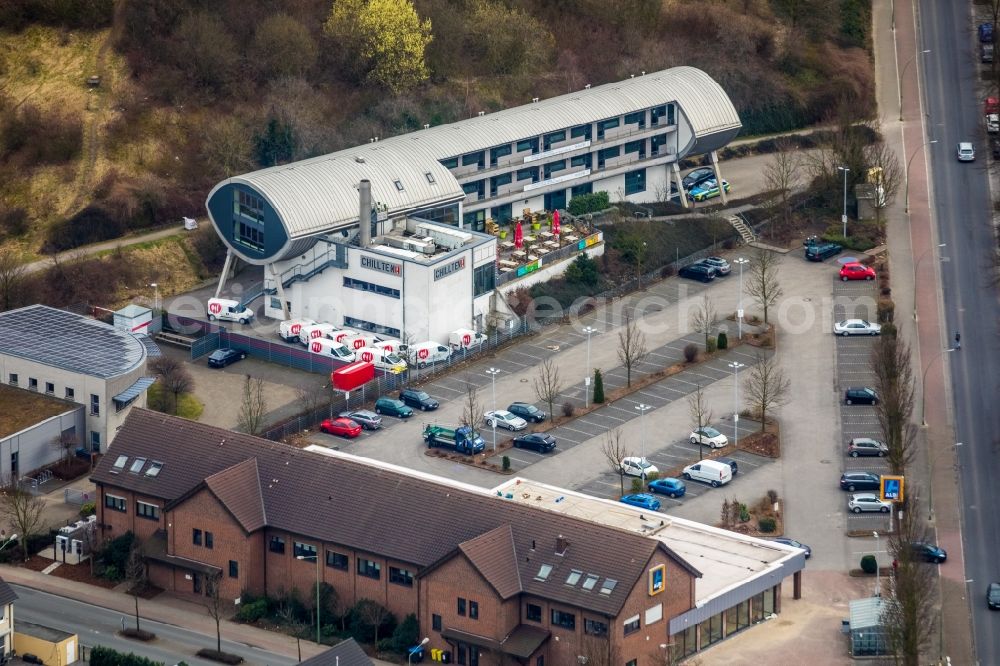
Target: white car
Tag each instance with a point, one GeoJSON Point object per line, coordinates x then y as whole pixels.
{"type": "Point", "coordinates": [856, 327]}
{"type": "Point", "coordinates": [635, 466]}
{"type": "Point", "coordinates": [504, 419]}
{"type": "Point", "coordinates": [966, 152]}
{"type": "Point", "coordinates": [710, 437]}
{"type": "Point", "coordinates": [868, 502]}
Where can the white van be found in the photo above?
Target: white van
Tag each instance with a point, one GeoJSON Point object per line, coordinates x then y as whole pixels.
{"type": "Point", "coordinates": [313, 331]}
{"type": "Point", "coordinates": [709, 471]}
{"type": "Point", "coordinates": [425, 353]}
{"type": "Point", "coordinates": [327, 347]}
{"type": "Point", "coordinates": [289, 330]}
{"type": "Point", "coordinates": [228, 310]}
{"type": "Point", "coordinates": [359, 340]}
{"type": "Point", "coordinates": [394, 346]}
{"type": "Point", "coordinates": [466, 338]}
{"type": "Point", "coordinates": [382, 359]}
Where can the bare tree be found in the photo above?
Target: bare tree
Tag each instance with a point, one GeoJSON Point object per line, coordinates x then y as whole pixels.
{"type": "Point", "coordinates": [547, 384]}
{"type": "Point", "coordinates": [135, 576]}
{"type": "Point", "coordinates": [600, 652]}
{"type": "Point", "coordinates": [216, 607]}
{"type": "Point", "coordinates": [13, 273]}
{"type": "Point", "coordinates": [705, 319]}
{"type": "Point", "coordinates": [471, 411]}
{"type": "Point", "coordinates": [631, 346]}
{"type": "Point", "coordinates": [313, 396]}
{"type": "Point", "coordinates": [700, 415]}
{"type": "Point", "coordinates": [884, 173]}
{"type": "Point", "coordinates": [373, 614]}
{"type": "Point", "coordinates": [175, 379]}
{"type": "Point", "coordinates": [66, 443]}
{"type": "Point", "coordinates": [253, 406]}
{"type": "Point", "coordinates": [615, 452]}
{"type": "Point", "coordinates": [910, 618]}
{"type": "Point", "coordinates": [766, 387]}
{"type": "Point", "coordinates": [890, 363]}
{"type": "Point", "coordinates": [762, 279]}
{"type": "Point", "coordinates": [781, 176]}
{"type": "Point", "coordinates": [23, 511]}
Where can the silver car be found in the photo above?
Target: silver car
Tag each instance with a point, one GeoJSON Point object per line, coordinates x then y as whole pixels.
{"type": "Point", "coordinates": [966, 152]}
{"type": "Point", "coordinates": [866, 502]}
{"type": "Point", "coordinates": [501, 418]}
{"type": "Point", "coordinates": [856, 327]}
{"type": "Point", "coordinates": [364, 418]}
{"type": "Point", "coordinates": [720, 265]}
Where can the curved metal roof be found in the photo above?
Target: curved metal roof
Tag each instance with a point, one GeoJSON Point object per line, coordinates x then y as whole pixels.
{"type": "Point", "coordinates": [320, 194]}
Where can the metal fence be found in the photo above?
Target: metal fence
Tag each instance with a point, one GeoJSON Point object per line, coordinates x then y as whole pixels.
{"type": "Point", "coordinates": [77, 497]}
{"type": "Point", "coordinates": [551, 257]}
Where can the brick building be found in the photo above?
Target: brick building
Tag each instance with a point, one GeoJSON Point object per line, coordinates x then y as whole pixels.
{"type": "Point", "coordinates": [490, 580]}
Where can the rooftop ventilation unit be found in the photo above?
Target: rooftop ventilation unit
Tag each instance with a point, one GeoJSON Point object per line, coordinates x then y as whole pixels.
{"type": "Point", "coordinates": [446, 238]}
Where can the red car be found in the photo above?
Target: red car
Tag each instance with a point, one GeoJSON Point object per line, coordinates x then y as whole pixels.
{"type": "Point", "coordinates": [343, 427]}
{"type": "Point", "coordinates": [856, 271]}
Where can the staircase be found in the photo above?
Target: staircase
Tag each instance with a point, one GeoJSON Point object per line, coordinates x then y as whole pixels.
{"type": "Point", "coordinates": [746, 233]}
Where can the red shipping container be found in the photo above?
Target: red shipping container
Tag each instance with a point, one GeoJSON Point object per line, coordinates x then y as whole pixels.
{"type": "Point", "coordinates": [352, 375]}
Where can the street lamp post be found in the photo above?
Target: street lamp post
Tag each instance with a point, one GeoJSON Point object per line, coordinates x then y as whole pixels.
{"type": "Point", "coordinates": [741, 262]}
{"type": "Point", "coordinates": [409, 656]}
{"type": "Point", "coordinates": [643, 408]}
{"type": "Point", "coordinates": [736, 365]}
{"type": "Point", "coordinates": [915, 267]}
{"type": "Point", "coordinates": [878, 577]}
{"type": "Point", "coordinates": [589, 330]}
{"type": "Point", "coordinates": [923, 384]}
{"type": "Point", "coordinates": [899, 83]}
{"type": "Point", "coordinates": [493, 372]}
{"type": "Point", "coordinates": [9, 540]}
{"type": "Point", "coordinates": [906, 175]}
{"type": "Point", "coordinates": [843, 216]}
{"type": "Point", "coordinates": [314, 557]}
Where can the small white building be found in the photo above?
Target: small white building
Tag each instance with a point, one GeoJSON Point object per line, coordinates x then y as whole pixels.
{"type": "Point", "coordinates": [7, 599]}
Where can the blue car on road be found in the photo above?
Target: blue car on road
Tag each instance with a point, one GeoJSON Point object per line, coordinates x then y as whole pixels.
{"type": "Point", "coordinates": [642, 500]}
{"type": "Point", "coordinates": [668, 486]}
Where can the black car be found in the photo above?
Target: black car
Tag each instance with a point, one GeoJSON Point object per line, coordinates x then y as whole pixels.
{"type": "Point", "coordinates": [538, 441]}
{"type": "Point", "coordinates": [928, 552]}
{"type": "Point", "coordinates": [697, 177]}
{"type": "Point", "coordinates": [733, 465]}
{"type": "Point", "coordinates": [366, 419]}
{"type": "Point", "coordinates": [821, 251]}
{"type": "Point", "coordinates": [860, 395]}
{"type": "Point", "coordinates": [698, 271]}
{"type": "Point", "coordinates": [419, 399]}
{"type": "Point", "coordinates": [220, 358]}
{"type": "Point", "coordinates": [528, 412]}
{"type": "Point", "coordinates": [993, 596]}
{"type": "Point", "coordinates": [794, 544]}
{"type": "Point", "coordinates": [851, 481]}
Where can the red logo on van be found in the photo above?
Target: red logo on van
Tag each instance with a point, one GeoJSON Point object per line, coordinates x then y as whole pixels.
{"type": "Point", "coordinates": [315, 333]}
{"type": "Point", "coordinates": [388, 348]}
{"type": "Point", "coordinates": [367, 356]}
{"type": "Point", "coordinates": [317, 347]}
{"type": "Point", "coordinates": [423, 353]}
{"type": "Point", "coordinates": [296, 328]}
{"type": "Point", "coordinates": [339, 337]}
{"type": "Point", "coordinates": [466, 339]}
{"type": "Point", "coordinates": [215, 308]}
{"type": "Point", "coordinates": [359, 343]}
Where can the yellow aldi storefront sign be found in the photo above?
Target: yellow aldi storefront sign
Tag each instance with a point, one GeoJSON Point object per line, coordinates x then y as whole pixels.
{"type": "Point", "coordinates": [657, 579]}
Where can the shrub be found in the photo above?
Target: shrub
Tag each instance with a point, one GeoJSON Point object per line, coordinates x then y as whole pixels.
{"type": "Point", "coordinates": [88, 509]}
{"type": "Point", "coordinates": [690, 352]}
{"type": "Point", "coordinates": [636, 485]}
{"type": "Point", "coordinates": [405, 635]}
{"type": "Point", "coordinates": [766, 525]}
{"type": "Point", "coordinates": [505, 463]}
{"type": "Point", "coordinates": [869, 564]}
{"type": "Point", "coordinates": [889, 330]}
{"type": "Point", "coordinates": [13, 222]}
{"type": "Point", "coordinates": [252, 611]}
{"type": "Point", "coordinates": [772, 496]}
{"type": "Point", "coordinates": [710, 345]}
{"type": "Point", "coordinates": [744, 513]}
{"type": "Point", "coordinates": [589, 203]}
{"type": "Point", "coordinates": [886, 310]}
{"type": "Point", "coordinates": [568, 409]}
{"type": "Point", "coordinates": [598, 387]}
{"type": "Point", "coordinates": [93, 224]}
{"type": "Point", "coordinates": [667, 271]}
{"type": "Point", "coordinates": [114, 556]}
{"type": "Point", "coordinates": [723, 341]}
{"type": "Point", "coordinates": [221, 657]}
{"type": "Point", "coordinates": [102, 656]}
{"type": "Point", "coordinates": [583, 270]}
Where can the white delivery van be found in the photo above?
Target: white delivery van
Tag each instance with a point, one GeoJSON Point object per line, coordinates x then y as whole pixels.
{"type": "Point", "coordinates": [313, 331]}
{"type": "Point", "coordinates": [228, 310]}
{"type": "Point", "coordinates": [382, 359]}
{"type": "Point", "coordinates": [395, 346]}
{"type": "Point", "coordinates": [289, 330]}
{"type": "Point", "coordinates": [327, 347]}
{"type": "Point", "coordinates": [465, 338]}
{"type": "Point", "coordinates": [709, 471]}
{"type": "Point", "coordinates": [425, 353]}
{"type": "Point", "coordinates": [359, 340]}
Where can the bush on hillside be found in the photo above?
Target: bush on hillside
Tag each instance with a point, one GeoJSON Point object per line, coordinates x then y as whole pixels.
{"type": "Point", "coordinates": [589, 203]}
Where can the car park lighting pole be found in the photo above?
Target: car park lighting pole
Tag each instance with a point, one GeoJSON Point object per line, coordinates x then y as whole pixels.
{"type": "Point", "coordinates": [156, 297]}
{"type": "Point", "coordinates": [741, 261]}
{"type": "Point", "coordinates": [878, 577]}
{"type": "Point", "coordinates": [915, 267]}
{"type": "Point", "coordinates": [642, 422]}
{"type": "Point", "coordinates": [736, 365]}
{"type": "Point", "coordinates": [586, 380]}
{"type": "Point", "coordinates": [906, 176]}
{"type": "Point", "coordinates": [493, 372]}
{"type": "Point", "coordinates": [843, 217]}
{"type": "Point", "coordinates": [923, 384]}
{"type": "Point", "coordinates": [314, 557]}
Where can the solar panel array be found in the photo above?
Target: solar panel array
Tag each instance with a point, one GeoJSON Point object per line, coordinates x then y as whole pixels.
{"type": "Point", "coordinates": [68, 341]}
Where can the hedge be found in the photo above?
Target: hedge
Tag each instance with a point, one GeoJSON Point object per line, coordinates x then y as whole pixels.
{"type": "Point", "coordinates": [102, 656]}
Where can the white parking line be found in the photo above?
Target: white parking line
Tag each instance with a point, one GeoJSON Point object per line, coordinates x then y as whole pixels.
{"type": "Point", "coordinates": [580, 432]}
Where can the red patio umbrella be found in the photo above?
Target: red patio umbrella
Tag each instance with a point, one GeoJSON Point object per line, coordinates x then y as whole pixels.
{"type": "Point", "coordinates": [555, 223]}
{"type": "Point", "coordinates": [518, 235]}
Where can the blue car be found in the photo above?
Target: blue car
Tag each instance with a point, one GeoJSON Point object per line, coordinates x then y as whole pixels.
{"type": "Point", "coordinates": [642, 500]}
{"type": "Point", "coordinates": [668, 486]}
{"type": "Point", "coordinates": [707, 190]}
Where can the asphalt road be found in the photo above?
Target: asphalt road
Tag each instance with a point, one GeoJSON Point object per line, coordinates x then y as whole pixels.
{"type": "Point", "coordinates": [963, 211]}
{"type": "Point", "coordinates": [100, 626]}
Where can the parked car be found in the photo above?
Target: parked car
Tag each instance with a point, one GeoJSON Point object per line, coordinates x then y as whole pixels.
{"type": "Point", "coordinates": [419, 399]}
{"type": "Point", "coordinates": [857, 327]}
{"type": "Point", "coordinates": [708, 436]}
{"type": "Point", "coordinates": [391, 407]}
{"type": "Point", "coordinates": [527, 411]}
{"type": "Point", "coordinates": [635, 466]}
{"type": "Point", "coordinates": [818, 251]}
{"type": "Point", "coordinates": [641, 500]}
{"type": "Point", "coordinates": [220, 358]}
{"type": "Point", "coordinates": [986, 53]}
{"type": "Point", "coordinates": [867, 502]}
{"type": "Point", "coordinates": [504, 419]}
{"type": "Point", "coordinates": [860, 395]}
{"type": "Point", "coordinates": [986, 33]}
{"type": "Point", "coordinates": [993, 596]}
{"type": "Point", "coordinates": [866, 446]}
{"type": "Point", "coordinates": [366, 419]}
{"type": "Point", "coordinates": [966, 152]}
{"type": "Point", "coordinates": [711, 472]}
{"type": "Point", "coordinates": [856, 271]}
{"type": "Point", "coordinates": [697, 271]}
{"type": "Point", "coordinates": [340, 426]}
{"type": "Point", "coordinates": [794, 544]}
{"type": "Point", "coordinates": [852, 481]}
{"type": "Point", "coordinates": [539, 441]}
{"type": "Point", "coordinates": [720, 265]}
{"type": "Point", "coordinates": [668, 486]}
{"type": "Point", "coordinates": [928, 552]}
{"type": "Point", "coordinates": [697, 177]}
{"type": "Point", "coordinates": [995, 148]}
{"type": "Point", "coordinates": [708, 190]}
{"type": "Point", "coordinates": [733, 465]}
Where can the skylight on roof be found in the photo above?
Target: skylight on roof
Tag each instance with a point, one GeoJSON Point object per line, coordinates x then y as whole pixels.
{"type": "Point", "coordinates": [543, 572]}
{"type": "Point", "coordinates": [590, 581]}
{"type": "Point", "coordinates": [137, 465]}
{"type": "Point", "coordinates": [430, 177]}
{"type": "Point", "coordinates": [154, 468]}
{"type": "Point", "coordinates": [574, 577]}
{"type": "Point", "coordinates": [608, 586]}
{"type": "Point", "coordinates": [399, 185]}
{"type": "Point", "coordinates": [120, 463]}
